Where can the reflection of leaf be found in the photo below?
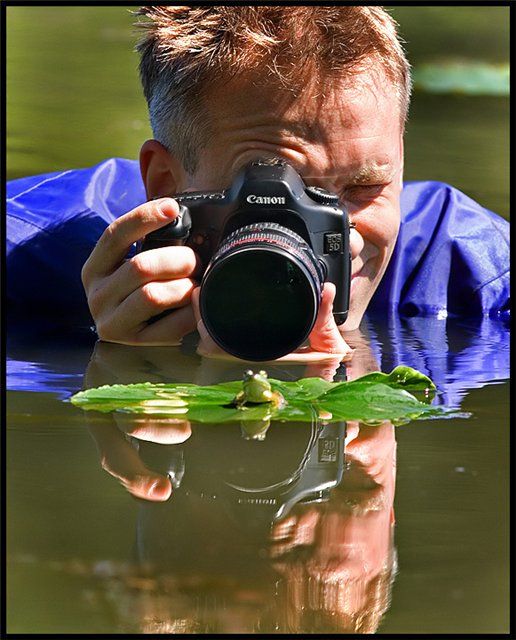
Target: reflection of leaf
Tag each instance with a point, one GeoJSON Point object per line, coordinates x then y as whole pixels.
{"type": "Point", "coordinates": [471, 78]}
{"type": "Point", "coordinates": [374, 398]}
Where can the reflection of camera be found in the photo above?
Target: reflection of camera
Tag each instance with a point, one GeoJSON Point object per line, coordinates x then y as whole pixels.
{"type": "Point", "coordinates": [320, 469]}
{"type": "Point", "coordinates": [227, 492]}
{"type": "Point", "coordinates": [268, 243]}
{"type": "Point", "coordinates": [258, 482]}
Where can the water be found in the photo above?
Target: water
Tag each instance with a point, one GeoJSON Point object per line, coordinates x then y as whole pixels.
{"type": "Point", "coordinates": [86, 556]}
{"type": "Point", "coordinates": [91, 558]}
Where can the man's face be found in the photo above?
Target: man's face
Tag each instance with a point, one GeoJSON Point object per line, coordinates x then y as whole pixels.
{"type": "Point", "coordinates": [348, 141]}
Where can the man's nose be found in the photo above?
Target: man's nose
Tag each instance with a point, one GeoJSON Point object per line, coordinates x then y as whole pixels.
{"type": "Point", "coordinates": [356, 243]}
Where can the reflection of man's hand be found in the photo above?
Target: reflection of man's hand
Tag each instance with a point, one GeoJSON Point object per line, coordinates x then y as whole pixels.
{"type": "Point", "coordinates": [113, 363]}
{"type": "Point", "coordinates": [326, 343]}
{"type": "Point", "coordinates": [366, 488]}
{"type": "Point", "coordinates": [121, 364]}
{"type": "Point", "coordinates": [120, 459]}
{"type": "Point", "coordinates": [296, 530]}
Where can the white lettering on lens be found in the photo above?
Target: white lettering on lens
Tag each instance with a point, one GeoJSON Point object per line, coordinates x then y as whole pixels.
{"type": "Point", "coordinates": [252, 199]}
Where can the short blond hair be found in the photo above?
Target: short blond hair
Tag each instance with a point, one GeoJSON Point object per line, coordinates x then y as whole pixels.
{"type": "Point", "coordinates": [185, 50]}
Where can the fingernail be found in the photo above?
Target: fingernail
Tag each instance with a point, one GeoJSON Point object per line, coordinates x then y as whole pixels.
{"type": "Point", "coordinates": [168, 207]}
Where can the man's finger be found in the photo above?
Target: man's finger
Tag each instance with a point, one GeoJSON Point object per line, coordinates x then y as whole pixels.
{"type": "Point", "coordinates": [207, 346]}
{"type": "Point", "coordinates": [130, 318]}
{"type": "Point", "coordinates": [195, 304]}
{"type": "Point", "coordinates": [304, 355]}
{"type": "Point", "coordinates": [114, 243]}
{"type": "Point", "coordinates": [166, 263]}
{"type": "Point", "coordinates": [170, 330]}
{"type": "Point", "coordinates": [206, 342]}
{"type": "Point", "coordinates": [325, 336]}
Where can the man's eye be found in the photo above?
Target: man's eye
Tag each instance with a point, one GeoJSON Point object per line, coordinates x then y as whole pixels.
{"type": "Point", "coordinates": [363, 192]}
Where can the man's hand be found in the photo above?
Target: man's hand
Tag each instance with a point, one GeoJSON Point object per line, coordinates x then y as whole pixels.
{"type": "Point", "coordinates": [326, 344]}
{"type": "Point", "coordinates": [124, 294]}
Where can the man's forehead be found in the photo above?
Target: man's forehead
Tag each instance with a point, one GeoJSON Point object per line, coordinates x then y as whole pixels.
{"type": "Point", "coordinates": [350, 115]}
{"type": "Point", "coordinates": [344, 162]}
{"type": "Point", "coordinates": [345, 132]}
{"type": "Point", "coordinates": [360, 103]}
{"type": "Point", "coordinates": [352, 159]}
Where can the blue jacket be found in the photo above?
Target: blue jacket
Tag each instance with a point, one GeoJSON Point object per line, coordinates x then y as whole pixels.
{"type": "Point", "coordinates": [451, 256]}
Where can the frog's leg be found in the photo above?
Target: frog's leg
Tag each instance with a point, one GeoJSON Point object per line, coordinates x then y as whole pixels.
{"type": "Point", "coordinates": [239, 399]}
{"type": "Point", "coordinates": [278, 400]}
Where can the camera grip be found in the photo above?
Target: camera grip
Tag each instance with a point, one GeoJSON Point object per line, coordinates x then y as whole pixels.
{"type": "Point", "coordinates": [174, 234]}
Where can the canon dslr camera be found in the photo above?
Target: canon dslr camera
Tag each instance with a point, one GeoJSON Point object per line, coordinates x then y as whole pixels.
{"type": "Point", "coordinates": [268, 243]}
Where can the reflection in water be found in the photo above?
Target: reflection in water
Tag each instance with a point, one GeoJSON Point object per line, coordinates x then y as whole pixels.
{"type": "Point", "coordinates": [278, 524]}
{"type": "Point", "coordinates": [337, 558]}
{"type": "Point", "coordinates": [214, 550]}
{"type": "Point", "coordinates": [294, 532]}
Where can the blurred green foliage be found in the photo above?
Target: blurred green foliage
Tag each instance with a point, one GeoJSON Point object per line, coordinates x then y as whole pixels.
{"type": "Point", "coordinates": [73, 93]}
{"type": "Point", "coordinates": [437, 33]}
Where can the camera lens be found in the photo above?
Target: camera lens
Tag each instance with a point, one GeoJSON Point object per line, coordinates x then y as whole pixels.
{"type": "Point", "coordinates": [261, 291]}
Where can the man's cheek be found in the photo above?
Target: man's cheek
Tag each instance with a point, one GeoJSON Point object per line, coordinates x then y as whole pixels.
{"type": "Point", "coordinates": [379, 225]}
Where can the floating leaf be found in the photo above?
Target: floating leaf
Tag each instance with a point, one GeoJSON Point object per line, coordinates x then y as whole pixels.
{"type": "Point", "coordinates": [373, 398]}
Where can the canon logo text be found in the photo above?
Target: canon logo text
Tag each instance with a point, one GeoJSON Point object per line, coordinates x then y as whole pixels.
{"type": "Point", "coordinates": [252, 199]}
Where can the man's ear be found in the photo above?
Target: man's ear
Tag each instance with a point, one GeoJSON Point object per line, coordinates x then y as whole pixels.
{"type": "Point", "coordinates": [162, 173]}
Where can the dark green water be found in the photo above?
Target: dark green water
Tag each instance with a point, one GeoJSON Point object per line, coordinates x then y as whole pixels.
{"type": "Point", "coordinates": [85, 556]}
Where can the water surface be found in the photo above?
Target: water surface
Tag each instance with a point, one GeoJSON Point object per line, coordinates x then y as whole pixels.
{"type": "Point", "coordinates": [414, 524]}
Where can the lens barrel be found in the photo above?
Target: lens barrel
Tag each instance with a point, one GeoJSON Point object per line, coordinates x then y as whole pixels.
{"type": "Point", "coordinates": [261, 291]}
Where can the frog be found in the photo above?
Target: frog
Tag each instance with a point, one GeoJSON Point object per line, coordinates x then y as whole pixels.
{"type": "Point", "coordinates": [256, 390]}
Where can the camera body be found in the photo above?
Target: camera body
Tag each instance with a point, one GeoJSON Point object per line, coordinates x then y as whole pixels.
{"type": "Point", "coordinates": [267, 245]}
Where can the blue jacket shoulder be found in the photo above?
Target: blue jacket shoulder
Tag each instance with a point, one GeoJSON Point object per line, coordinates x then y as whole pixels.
{"type": "Point", "coordinates": [451, 257]}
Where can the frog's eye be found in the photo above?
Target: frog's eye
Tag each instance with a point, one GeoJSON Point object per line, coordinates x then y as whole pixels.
{"type": "Point", "coordinates": [263, 373]}
{"type": "Point", "coordinates": [248, 374]}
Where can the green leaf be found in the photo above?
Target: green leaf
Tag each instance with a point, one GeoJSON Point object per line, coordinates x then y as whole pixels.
{"type": "Point", "coordinates": [374, 402]}
{"type": "Point", "coordinates": [373, 398]}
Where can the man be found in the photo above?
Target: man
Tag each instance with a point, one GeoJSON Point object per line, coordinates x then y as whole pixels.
{"type": "Point", "coordinates": [327, 89]}
{"type": "Point", "coordinates": [336, 115]}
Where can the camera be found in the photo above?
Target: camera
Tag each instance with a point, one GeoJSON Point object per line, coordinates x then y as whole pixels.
{"type": "Point", "coordinates": [267, 245]}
